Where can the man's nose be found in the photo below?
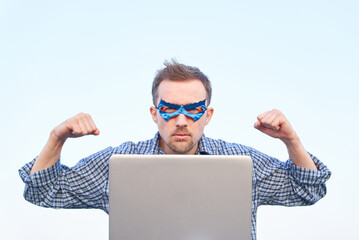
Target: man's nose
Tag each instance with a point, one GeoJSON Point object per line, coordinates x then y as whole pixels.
{"type": "Point", "coordinates": [181, 120]}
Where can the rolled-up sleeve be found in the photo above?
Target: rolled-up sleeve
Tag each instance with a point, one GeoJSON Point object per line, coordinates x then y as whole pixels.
{"type": "Point", "coordinates": [83, 186]}
{"type": "Point", "coordinates": [283, 183]}
{"type": "Point", "coordinates": [310, 176]}
{"type": "Point", "coordinates": [41, 178]}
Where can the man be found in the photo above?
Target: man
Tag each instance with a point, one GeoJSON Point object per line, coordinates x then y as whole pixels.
{"type": "Point", "coordinates": [181, 98]}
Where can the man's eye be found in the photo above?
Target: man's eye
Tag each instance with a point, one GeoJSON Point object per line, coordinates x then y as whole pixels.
{"type": "Point", "coordinates": [168, 109]}
{"type": "Point", "coordinates": [195, 110]}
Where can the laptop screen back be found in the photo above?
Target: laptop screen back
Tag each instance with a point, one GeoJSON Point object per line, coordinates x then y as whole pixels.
{"type": "Point", "coordinates": [180, 197]}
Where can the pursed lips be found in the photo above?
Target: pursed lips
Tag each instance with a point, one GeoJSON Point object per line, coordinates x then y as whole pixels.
{"type": "Point", "coordinates": [181, 135]}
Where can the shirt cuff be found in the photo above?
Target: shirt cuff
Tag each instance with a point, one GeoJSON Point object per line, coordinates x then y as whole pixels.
{"type": "Point", "coordinates": [40, 178]}
{"type": "Point", "coordinates": [310, 176]}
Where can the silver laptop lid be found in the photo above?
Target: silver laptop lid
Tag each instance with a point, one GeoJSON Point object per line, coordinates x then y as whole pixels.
{"type": "Point", "coordinates": [180, 197]}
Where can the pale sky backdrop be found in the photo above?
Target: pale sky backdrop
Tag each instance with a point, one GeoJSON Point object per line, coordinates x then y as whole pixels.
{"type": "Point", "coordinates": [59, 58]}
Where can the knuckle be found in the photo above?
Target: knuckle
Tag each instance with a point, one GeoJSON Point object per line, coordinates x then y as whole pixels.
{"type": "Point", "coordinates": [277, 111]}
{"type": "Point", "coordinates": [88, 116]}
{"type": "Point", "coordinates": [71, 123]}
{"type": "Point", "coordinates": [76, 132]}
{"type": "Point", "coordinates": [80, 115]}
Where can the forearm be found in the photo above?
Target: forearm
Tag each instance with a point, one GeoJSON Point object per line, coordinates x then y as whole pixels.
{"type": "Point", "coordinates": [49, 155]}
{"type": "Point", "coordinates": [298, 155]}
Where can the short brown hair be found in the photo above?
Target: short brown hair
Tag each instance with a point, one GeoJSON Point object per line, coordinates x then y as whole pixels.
{"type": "Point", "coordinates": [178, 71]}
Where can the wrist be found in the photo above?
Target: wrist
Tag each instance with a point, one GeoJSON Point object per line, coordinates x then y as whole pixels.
{"type": "Point", "coordinates": [55, 140]}
{"type": "Point", "coordinates": [294, 146]}
{"type": "Point", "coordinates": [292, 141]}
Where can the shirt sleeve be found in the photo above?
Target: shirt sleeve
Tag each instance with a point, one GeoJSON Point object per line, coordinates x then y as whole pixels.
{"type": "Point", "coordinates": [283, 183]}
{"type": "Point", "coordinates": [83, 186]}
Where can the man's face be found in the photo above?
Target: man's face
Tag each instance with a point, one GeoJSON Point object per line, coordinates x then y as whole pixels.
{"type": "Point", "coordinates": [180, 134]}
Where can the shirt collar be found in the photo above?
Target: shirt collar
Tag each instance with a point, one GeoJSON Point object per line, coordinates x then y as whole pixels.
{"type": "Point", "coordinates": [156, 150]}
{"type": "Point", "coordinates": [204, 147]}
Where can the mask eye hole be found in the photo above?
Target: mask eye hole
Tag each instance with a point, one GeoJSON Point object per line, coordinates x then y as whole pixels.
{"type": "Point", "coordinates": [195, 110]}
{"type": "Point", "coordinates": [168, 109]}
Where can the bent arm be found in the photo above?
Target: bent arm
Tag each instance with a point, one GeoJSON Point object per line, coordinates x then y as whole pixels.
{"type": "Point", "coordinates": [86, 185]}
{"type": "Point", "coordinates": [83, 186]}
{"type": "Point", "coordinates": [286, 184]}
{"type": "Point", "coordinates": [275, 124]}
{"type": "Point", "coordinates": [77, 126]}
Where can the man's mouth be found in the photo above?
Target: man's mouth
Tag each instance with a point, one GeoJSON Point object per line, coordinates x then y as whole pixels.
{"type": "Point", "coordinates": [181, 136]}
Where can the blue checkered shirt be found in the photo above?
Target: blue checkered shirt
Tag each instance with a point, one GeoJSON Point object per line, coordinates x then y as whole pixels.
{"type": "Point", "coordinates": [86, 185]}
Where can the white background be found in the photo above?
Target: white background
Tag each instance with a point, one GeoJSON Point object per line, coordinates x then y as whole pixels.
{"type": "Point", "coordinates": [58, 58]}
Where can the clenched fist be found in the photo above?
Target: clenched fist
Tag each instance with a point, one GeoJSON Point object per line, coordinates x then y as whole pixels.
{"type": "Point", "coordinates": [77, 126]}
{"type": "Point", "coordinates": [275, 124]}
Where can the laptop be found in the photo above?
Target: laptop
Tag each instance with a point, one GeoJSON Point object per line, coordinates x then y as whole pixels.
{"type": "Point", "coordinates": [180, 197]}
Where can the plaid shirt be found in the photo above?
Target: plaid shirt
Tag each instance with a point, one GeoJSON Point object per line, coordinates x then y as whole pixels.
{"type": "Point", "coordinates": [86, 185]}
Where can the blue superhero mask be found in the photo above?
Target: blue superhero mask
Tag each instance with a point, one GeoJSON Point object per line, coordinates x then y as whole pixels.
{"type": "Point", "coordinates": [193, 110]}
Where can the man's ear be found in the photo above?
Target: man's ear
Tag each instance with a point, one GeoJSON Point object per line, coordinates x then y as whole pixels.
{"type": "Point", "coordinates": [153, 112]}
{"type": "Point", "coordinates": [209, 115]}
